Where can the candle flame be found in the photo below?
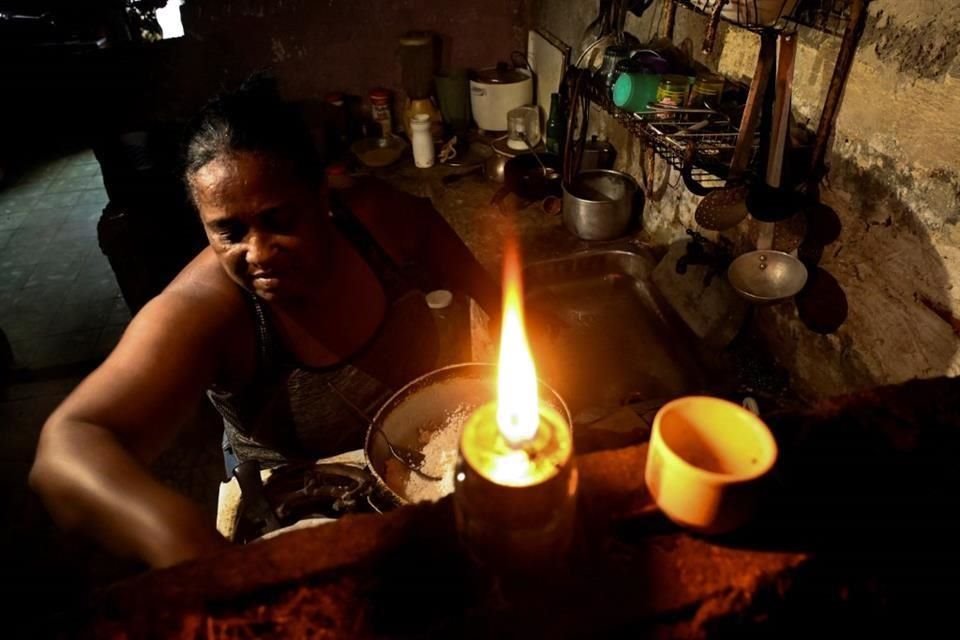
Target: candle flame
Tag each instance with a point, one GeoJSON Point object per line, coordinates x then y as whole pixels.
{"type": "Point", "coordinates": [518, 414]}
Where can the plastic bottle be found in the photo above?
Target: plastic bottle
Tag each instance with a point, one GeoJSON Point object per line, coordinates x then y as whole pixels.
{"type": "Point", "coordinates": [451, 332]}
{"type": "Point", "coordinates": [422, 141]}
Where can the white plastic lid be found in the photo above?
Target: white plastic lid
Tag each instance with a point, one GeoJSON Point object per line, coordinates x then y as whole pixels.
{"type": "Point", "coordinates": [420, 122]}
{"type": "Point", "coordinates": [439, 299]}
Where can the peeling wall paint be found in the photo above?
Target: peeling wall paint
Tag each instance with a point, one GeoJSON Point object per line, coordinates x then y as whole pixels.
{"type": "Point", "coordinates": [893, 180]}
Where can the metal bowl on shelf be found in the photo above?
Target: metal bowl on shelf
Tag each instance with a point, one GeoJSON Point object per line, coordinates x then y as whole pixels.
{"type": "Point", "coordinates": [767, 276]}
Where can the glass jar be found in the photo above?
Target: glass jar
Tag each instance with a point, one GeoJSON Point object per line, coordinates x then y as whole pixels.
{"type": "Point", "coordinates": [611, 56]}
{"type": "Point", "coordinates": [380, 111]}
{"type": "Point", "coordinates": [672, 91]}
{"type": "Point", "coordinates": [706, 91]}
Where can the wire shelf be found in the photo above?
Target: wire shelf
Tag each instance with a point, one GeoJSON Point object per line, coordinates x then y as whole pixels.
{"type": "Point", "coordinates": [698, 141]}
{"type": "Point", "coordinates": [753, 15]}
{"type": "Point", "coordinates": [828, 16]}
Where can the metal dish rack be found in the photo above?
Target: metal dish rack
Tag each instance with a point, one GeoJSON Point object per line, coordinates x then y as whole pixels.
{"type": "Point", "coordinates": [679, 136]}
{"type": "Point", "coordinates": [828, 16]}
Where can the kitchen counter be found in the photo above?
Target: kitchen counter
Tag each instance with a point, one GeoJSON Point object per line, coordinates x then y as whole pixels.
{"type": "Point", "coordinates": [466, 206]}
{"type": "Point", "coordinates": [862, 528]}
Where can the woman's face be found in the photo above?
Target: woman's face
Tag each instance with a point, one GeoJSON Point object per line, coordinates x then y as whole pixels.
{"type": "Point", "coordinates": [269, 229]}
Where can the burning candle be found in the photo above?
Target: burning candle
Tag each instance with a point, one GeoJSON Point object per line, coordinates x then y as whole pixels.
{"type": "Point", "coordinates": [516, 480]}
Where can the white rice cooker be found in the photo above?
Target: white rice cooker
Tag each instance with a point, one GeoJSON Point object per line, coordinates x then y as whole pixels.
{"type": "Point", "coordinates": [495, 91]}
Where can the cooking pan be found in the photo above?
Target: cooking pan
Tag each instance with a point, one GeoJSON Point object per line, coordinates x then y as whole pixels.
{"type": "Point", "coordinates": [440, 398]}
{"type": "Point", "coordinates": [524, 176]}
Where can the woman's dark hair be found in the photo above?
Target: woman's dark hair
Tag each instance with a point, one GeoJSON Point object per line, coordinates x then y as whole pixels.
{"type": "Point", "coordinates": [253, 118]}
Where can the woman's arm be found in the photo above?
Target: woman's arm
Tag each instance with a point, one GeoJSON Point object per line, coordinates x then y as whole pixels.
{"type": "Point", "coordinates": [91, 467]}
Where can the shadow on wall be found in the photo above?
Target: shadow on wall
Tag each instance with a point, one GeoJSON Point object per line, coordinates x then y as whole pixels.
{"type": "Point", "coordinates": [897, 284]}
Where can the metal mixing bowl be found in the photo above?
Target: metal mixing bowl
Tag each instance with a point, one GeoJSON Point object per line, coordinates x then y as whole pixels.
{"type": "Point", "coordinates": [767, 276]}
{"type": "Point", "coordinates": [426, 404]}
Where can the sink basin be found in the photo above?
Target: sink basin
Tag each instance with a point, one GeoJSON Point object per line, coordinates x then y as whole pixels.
{"type": "Point", "coordinates": [620, 342]}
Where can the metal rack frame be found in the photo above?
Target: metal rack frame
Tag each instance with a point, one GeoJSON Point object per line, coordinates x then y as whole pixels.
{"type": "Point", "coordinates": [679, 136]}
{"type": "Point", "coordinates": [703, 156]}
{"type": "Point", "coordinates": [828, 16]}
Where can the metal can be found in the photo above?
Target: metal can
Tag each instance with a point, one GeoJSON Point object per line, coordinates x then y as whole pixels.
{"type": "Point", "coordinates": [672, 91]}
{"type": "Point", "coordinates": [706, 91]}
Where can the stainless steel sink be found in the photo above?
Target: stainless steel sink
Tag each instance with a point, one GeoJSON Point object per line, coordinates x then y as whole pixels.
{"type": "Point", "coordinates": [619, 342]}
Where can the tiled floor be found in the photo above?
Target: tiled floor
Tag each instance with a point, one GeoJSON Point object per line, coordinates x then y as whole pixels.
{"type": "Point", "coordinates": [59, 302]}
{"type": "Point", "coordinates": [62, 312]}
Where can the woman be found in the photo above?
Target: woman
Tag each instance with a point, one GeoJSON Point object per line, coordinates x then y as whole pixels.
{"type": "Point", "coordinates": [304, 313]}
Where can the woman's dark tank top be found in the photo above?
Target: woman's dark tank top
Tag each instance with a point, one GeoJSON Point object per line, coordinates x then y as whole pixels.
{"type": "Point", "coordinates": [293, 412]}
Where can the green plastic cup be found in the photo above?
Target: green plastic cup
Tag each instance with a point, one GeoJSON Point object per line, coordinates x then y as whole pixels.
{"type": "Point", "coordinates": [634, 91]}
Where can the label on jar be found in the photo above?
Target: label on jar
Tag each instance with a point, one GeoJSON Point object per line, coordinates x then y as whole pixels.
{"type": "Point", "coordinates": [381, 115]}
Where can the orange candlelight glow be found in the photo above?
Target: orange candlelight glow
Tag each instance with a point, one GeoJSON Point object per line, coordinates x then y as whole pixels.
{"type": "Point", "coordinates": [518, 413]}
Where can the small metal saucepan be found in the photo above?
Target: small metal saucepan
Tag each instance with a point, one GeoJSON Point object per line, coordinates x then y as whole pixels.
{"type": "Point", "coordinates": [441, 398]}
{"type": "Point", "coordinates": [767, 276]}
{"type": "Point", "coordinates": [492, 168]}
{"type": "Point", "coordinates": [525, 176]}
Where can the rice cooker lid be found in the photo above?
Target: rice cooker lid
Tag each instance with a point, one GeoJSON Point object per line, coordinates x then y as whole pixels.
{"type": "Point", "coordinates": [501, 74]}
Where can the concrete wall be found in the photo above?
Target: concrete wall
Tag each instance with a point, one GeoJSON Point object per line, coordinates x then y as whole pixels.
{"type": "Point", "coordinates": [893, 180]}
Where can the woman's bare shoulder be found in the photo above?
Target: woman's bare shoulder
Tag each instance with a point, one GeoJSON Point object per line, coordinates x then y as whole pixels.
{"type": "Point", "coordinates": [204, 280]}
{"type": "Point", "coordinates": [203, 301]}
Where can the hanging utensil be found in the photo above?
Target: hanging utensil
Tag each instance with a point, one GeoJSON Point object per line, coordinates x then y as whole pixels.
{"type": "Point", "coordinates": [786, 235]}
{"type": "Point", "coordinates": [767, 201]}
{"type": "Point", "coordinates": [765, 276]}
{"type": "Point", "coordinates": [726, 207]}
{"type": "Point", "coordinates": [710, 34]}
{"type": "Point", "coordinates": [831, 105]}
{"type": "Point", "coordinates": [823, 221]}
{"type": "Point", "coordinates": [822, 305]}
{"type": "Point", "coordinates": [595, 30]}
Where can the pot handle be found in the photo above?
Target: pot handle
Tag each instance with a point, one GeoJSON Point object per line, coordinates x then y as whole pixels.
{"type": "Point", "coordinates": [686, 173]}
{"type": "Point", "coordinates": [519, 55]}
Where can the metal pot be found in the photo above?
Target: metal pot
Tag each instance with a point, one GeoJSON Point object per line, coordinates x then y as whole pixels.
{"type": "Point", "coordinates": [598, 204]}
{"type": "Point", "coordinates": [426, 403]}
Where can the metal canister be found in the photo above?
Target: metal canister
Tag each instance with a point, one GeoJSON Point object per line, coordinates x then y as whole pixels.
{"type": "Point", "coordinates": [673, 90]}
{"type": "Point", "coordinates": [706, 91]}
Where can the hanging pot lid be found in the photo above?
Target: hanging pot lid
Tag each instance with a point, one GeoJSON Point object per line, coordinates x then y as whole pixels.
{"type": "Point", "coordinates": [501, 74]}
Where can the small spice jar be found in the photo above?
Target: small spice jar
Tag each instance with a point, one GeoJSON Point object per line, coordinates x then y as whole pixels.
{"type": "Point", "coordinates": [380, 111]}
